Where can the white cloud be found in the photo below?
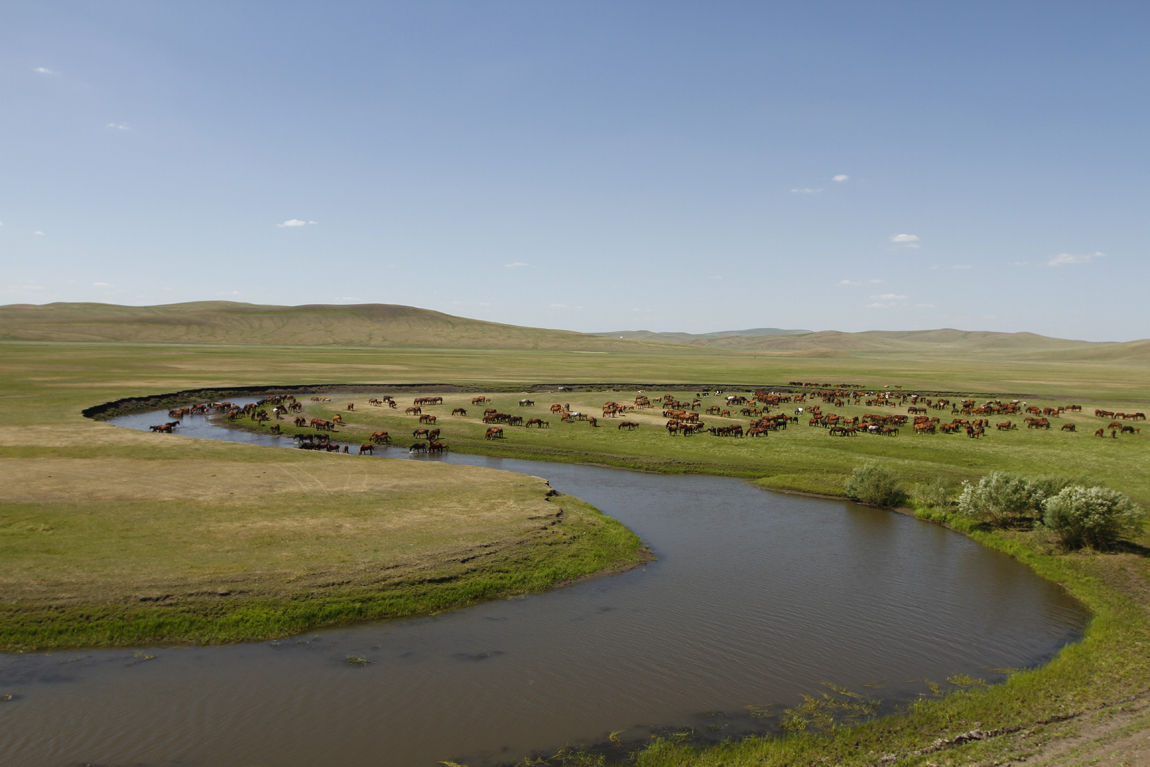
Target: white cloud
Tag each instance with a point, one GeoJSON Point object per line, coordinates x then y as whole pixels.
{"type": "Point", "coordinates": [857, 283]}
{"type": "Point", "coordinates": [292, 223]}
{"type": "Point", "coordinates": [118, 126]}
{"type": "Point", "coordinates": [1069, 258]}
{"type": "Point", "coordinates": [38, 233]}
{"type": "Point", "coordinates": [887, 301]}
{"type": "Point", "coordinates": [43, 71]}
{"type": "Point", "coordinates": [516, 265]}
{"type": "Point", "coordinates": [841, 178]}
{"type": "Point", "coordinates": [908, 240]}
{"type": "Point", "coordinates": [101, 284]}
{"type": "Point", "coordinates": [805, 190]}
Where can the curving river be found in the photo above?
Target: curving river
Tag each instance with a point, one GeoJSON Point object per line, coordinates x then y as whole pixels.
{"type": "Point", "coordinates": [755, 599]}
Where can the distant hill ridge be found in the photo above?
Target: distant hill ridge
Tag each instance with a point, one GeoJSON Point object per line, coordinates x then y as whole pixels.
{"type": "Point", "coordinates": [391, 325]}
{"type": "Point", "coordinates": [699, 338]}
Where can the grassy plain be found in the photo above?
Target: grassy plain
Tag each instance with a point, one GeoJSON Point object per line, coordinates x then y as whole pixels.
{"type": "Point", "coordinates": [800, 458]}
{"type": "Point", "coordinates": [86, 503]}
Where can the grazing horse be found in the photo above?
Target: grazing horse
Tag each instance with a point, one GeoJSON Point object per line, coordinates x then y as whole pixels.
{"type": "Point", "coordinates": [367, 449]}
{"type": "Point", "coordinates": [629, 425]}
{"type": "Point", "coordinates": [526, 403]}
{"type": "Point", "coordinates": [420, 432]}
{"type": "Point", "coordinates": [539, 422]}
{"type": "Point", "coordinates": [459, 411]}
{"type": "Point", "coordinates": [380, 437]}
{"type": "Point", "coordinates": [350, 406]}
{"type": "Point", "coordinates": [1100, 433]}
{"type": "Point", "coordinates": [495, 432]}
{"type": "Point", "coordinates": [418, 447]}
{"type": "Point", "coordinates": [427, 418]}
{"type": "Point", "coordinates": [434, 446]}
{"type": "Point", "coordinates": [1067, 427]}
{"type": "Point", "coordinates": [479, 400]}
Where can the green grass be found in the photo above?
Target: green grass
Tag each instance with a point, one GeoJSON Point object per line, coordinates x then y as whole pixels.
{"type": "Point", "coordinates": [120, 484]}
{"type": "Point", "coordinates": [800, 458]}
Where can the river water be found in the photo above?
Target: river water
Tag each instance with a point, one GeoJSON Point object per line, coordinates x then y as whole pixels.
{"type": "Point", "coordinates": [754, 600]}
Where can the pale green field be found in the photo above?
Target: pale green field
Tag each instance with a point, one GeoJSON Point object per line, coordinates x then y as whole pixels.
{"type": "Point", "coordinates": [66, 493]}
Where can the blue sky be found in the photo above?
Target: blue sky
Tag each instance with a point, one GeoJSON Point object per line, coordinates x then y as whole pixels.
{"type": "Point", "coordinates": [590, 166]}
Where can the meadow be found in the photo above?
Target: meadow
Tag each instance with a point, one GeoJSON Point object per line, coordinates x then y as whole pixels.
{"type": "Point", "coordinates": [799, 458]}
{"type": "Point", "coordinates": [154, 537]}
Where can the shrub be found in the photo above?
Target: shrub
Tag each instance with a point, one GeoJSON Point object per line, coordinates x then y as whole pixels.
{"type": "Point", "coordinates": [873, 484]}
{"type": "Point", "coordinates": [936, 494]}
{"type": "Point", "coordinates": [1091, 516]}
{"type": "Point", "coordinates": [1002, 499]}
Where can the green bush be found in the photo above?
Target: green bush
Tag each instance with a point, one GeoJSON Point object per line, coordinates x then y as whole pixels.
{"type": "Point", "coordinates": [935, 494]}
{"type": "Point", "coordinates": [1091, 516]}
{"type": "Point", "coordinates": [1003, 500]}
{"type": "Point", "coordinates": [875, 485]}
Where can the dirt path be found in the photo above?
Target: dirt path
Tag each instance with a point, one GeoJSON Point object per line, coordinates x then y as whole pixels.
{"type": "Point", "coordinates": [1114, 736]}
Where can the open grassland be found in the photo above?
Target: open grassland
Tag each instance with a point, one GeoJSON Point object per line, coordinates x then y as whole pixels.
{"type": "Point", "coordinates": [799, 458]}
{"type": "Point", "coordinates": [110, 536]}
{"type": "Point", "coordinates": [78, 488]}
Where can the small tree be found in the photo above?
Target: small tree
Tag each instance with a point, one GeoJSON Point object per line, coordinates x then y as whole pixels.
{"type": "Point", "coordinates": [1091, 516]}
{"type": "Point", "coordinates": [1002, 499]}
{"type": "Point", "coordinates": [871, 483]}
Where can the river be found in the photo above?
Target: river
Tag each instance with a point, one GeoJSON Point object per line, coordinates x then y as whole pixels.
{"type": "Point", "coordinates": [754, 599]}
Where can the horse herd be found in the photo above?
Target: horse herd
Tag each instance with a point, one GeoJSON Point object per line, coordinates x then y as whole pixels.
{"type": "Point", "coordinates": [682, 417]}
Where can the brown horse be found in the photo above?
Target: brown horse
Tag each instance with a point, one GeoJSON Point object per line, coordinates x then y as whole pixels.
{"type": "Point", "coordinates": [495, 432]}
{"type": "Point", "coordinates": [367, 449]}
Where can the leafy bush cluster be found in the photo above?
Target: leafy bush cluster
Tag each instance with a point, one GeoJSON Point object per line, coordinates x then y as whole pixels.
{"type": "Point", "coordinates": [1091, 516]}
{"type": "Point", "coordinates": [875, 485]}
{"type": "Point", "coordinates": [1080, 516]}
{"type": "Point", "coordinates": [1003, 500]}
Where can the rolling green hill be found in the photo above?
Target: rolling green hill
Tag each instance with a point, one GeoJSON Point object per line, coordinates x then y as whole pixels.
{"type": "Point", "coordinates": [222, 322]}
{"type": "Point", "coordinates": [394, 326]}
